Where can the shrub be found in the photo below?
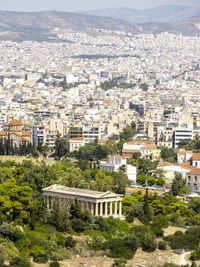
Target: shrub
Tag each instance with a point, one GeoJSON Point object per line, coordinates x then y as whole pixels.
{"type": "Point", "coordinates": [132, 242]}
{"type": "Point", "coordinates": [140, 231]}
{"type": "Point", "coordinates": [137, 211]}
{"type": "Point", "coordinates": [141, 179]}
{"type": "Point", "coordinates": [121, 262]}
{"type": "Point", "coordinates": [194, 230]}
{"type": "Point", "coordinates": [129, 218]}
{"type": "Point", "coordinates": [102, 224]}
{"type": "Point", "coordinates": [161, 245]}
{"type": "Point", "coordinates": [158, 231]}
{"type": "Point", "coordinates": [41, 258]}
{"type": "Point", "coordinates": [176, 220]}
{"type": "Point", "coordinates": [160, 221]}
{"type": "Point", "coordinates": [148, 243]}
{"type": "Point", "coordinates": [195, 255]}
{"type": "Point", "coordinates": [118, 248]}
{"type": "Point", "coordinates": [70, 242]}
{"type": "Point", "coordinates": [151, 180]}
{"type": "Point", "coordinates": [182, 241]}
{"type": "Point", "coordinates": [54, 264]}
{"type": "Point", "coordinates": [13, 233]}
{"type": "Point", "coordinates": [20, 262]}
{"type": "Point", "coordinates": [160, 181]}
{"type": "Point", "coordinates": [78, 225]}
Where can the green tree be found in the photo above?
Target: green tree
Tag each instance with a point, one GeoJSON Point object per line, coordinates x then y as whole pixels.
{"type": "Point", "coordinates": [147, 210]}
{"type": "Point", "coordinates": [120, 181]}
{"type": "Point", "coordinates": [194, 204]}
{"type": "Point", "coordinates": [127, 133]}
{"type": "Point", "coordinates": [61, 146]}
{"type": "Point", "coordinates": [160, 181]}
{"type": "Point", "coordinates": [151, 181]}
{"type": "Point", "coordinates": [179, 187]}
{"type": "Point", "coordinates": [168, 154]}
{"type": "Point", "coordinates": [141, 179]}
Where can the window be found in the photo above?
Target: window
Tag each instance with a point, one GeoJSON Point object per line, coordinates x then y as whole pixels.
{"type": "Point", "coordinates": [195, 178]}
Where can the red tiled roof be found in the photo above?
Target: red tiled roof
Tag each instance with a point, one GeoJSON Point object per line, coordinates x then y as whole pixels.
{"type": "Point", "coordinates": [138, 142]}
{"type": "Point", "coordinates": [195, 170]}
{"type": "Point", "coordinates": [3, 133]}
{"type": "Point", "coordinates": [77, 139]}
{"type": "Point", "coordinates": [196, 156]}
{"type": "Point", "coordinates": [118, 156]}
{"type": "Point", "coordinates": [163, 164]}
{"type": "Point", "coordinates": [15, 123]}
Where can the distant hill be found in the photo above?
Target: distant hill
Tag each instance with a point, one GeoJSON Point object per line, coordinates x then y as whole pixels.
{"type": "Point", "coordinates": [189, 27]}
{"type": "Point", "coordinates": [40, 26]}
{"type": "Point", "coordinates": [27, 25]}
{"type": "Point", "coordinates": [161, 14]}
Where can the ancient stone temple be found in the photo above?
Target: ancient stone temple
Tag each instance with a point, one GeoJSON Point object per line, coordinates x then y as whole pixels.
{"type": "Point", "coordinates": [99, 203]}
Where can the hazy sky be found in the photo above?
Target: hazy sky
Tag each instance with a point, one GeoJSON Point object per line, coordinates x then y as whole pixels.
{"type": "Point", "coordinates": [76, 5]}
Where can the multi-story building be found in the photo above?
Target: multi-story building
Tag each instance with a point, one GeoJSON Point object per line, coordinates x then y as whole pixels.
{"type": "Point", "coordinates": [181, 134]}
{"type": "Point", "coordinates": [76, 143]}
{"type": "Point", "coordinates": [164, 137]}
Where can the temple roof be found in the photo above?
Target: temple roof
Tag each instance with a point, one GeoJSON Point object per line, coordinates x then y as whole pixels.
{"type": "Point", "coordinates": [60, 189]}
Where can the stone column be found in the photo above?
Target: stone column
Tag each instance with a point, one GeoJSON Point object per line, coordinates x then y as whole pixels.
{"type": "Point", "coordinates": [101, 209]}
{"type": "Point", "coordinates": [96, 209]}
{"type": "Point", "coordinates": [106, 209]}
{"type": "Point", "coordinates": [120, 208]}
{"type": "Point", "coordinates": [92, 208]}
{"type": "Point", "coordinates": [110, 208]}
{"type": "Point", "coordinates": [115, 208]}
{"type": "Point", "coordinates": [48, 202]}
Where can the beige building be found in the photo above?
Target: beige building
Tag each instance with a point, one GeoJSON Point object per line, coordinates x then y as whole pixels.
{"type": "Point", "coordinates": [98, 203]}
{"type": "Point", "coordinates": [150, 151]}
{"type": "Point", "coordinates": [76, 143]}
{"type": "Point", "coordinates": [165, 137]}
{"type": "Point", "coordinates": [17, 132]}
{"type": "Point", "coordinates": [183, 155]}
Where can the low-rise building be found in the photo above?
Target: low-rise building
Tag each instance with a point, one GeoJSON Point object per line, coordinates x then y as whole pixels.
{"type": "Point", "coordinates": [150, 152]}
{"type": "Point", "coordinates": [115, 162]}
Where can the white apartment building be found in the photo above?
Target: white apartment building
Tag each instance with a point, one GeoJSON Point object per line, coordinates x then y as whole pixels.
{"type": "Point", "coordinates": [181, 134]}
{"type": "Point", "coordinates": [115, 162]}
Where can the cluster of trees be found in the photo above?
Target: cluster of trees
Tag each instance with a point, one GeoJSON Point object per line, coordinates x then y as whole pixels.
{"type": "Point", "coordinates": [96, 152]}
{"type": "Point", "coordinates": [28, 229]}
{"type": "Point", "coordinates": [151, 180]}
{"type": "Point", "coordinates": [168, 154]}
{"type": "Point", "coordinates": [192, 145]}
{"type": "Point", "coordinates": [25, 148]}
{"type": "Point", "coordinates": [116, 83]}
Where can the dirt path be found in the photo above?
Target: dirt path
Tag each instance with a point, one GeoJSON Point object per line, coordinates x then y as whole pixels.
{"type": "Point", "coordinates": [141, 258]}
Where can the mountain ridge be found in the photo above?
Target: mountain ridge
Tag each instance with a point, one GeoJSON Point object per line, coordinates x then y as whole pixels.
{"type": "Point", "coordinates": [41, 26]}
{"type": "Point", "coordinates": [160, 14]}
